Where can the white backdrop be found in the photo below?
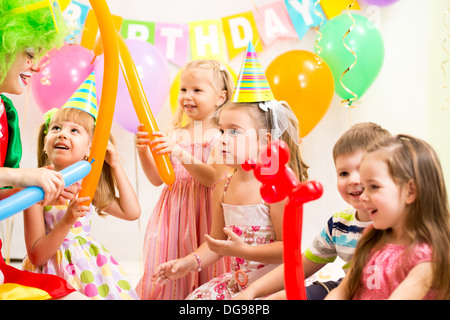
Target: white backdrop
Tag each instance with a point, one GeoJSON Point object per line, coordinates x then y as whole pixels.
{"type": "Point", "coordinates": [409, 84]}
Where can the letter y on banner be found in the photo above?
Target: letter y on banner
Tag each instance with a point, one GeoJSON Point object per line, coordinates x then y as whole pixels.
{"type": "Point", "coordinates": [302, 15]}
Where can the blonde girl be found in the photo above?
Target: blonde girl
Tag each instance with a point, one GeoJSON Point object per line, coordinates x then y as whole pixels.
{"type": "Point", "coordinates": [406, 253]}
{"type": "Point", "coordinates": [183, 213]}
{"type": "Point", "coordinates": [244, 226]}
{"type": "Point", "coordinates": [58, 238]}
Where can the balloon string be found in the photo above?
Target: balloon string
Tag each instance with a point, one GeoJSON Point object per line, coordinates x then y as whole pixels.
{"type": "Point", "coordinates": [447, 37]}
{"type": "Point", "coordinates": [319, 34]}
{"type": "Point", "coordinates": [348, 102]}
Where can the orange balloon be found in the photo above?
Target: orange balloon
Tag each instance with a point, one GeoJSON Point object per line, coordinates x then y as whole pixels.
{"type": "Point", "coordinates": [305, 82]}
{"type": "Point", "coordinates": [143, 111]}
{"type": "Point", "coordinates": [108, 100]}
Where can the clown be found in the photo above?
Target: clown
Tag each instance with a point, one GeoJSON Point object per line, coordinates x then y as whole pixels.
{"type": "Point", "coordinates": [28, 29]}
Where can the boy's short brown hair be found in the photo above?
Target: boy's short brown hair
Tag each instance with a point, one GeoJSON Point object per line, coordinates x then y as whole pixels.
{"type": "Point", "coordinates": [359, 137]}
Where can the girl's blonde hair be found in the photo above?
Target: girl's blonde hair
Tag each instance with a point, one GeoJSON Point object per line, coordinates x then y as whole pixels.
{"type": "Point", "coordinates": [262, 120]}
{"type": "Point", "coordinates": [428, 217]}
{"type": "Point", "coordinates": [106, 188]}
{"type": "Point", "coordinates": [222, 81]}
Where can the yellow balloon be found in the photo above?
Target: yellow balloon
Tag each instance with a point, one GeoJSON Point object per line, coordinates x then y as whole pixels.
{"type": "Point", "coordinates": [175, 89]}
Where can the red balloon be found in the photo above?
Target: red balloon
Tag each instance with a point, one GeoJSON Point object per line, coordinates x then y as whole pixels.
{"type": "Point", "coordinates": [62, 72]}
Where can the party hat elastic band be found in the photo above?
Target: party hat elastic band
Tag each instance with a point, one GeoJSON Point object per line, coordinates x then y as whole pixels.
{"type": "Point", "coordinates": [85, 98]}
{"type": "Point", "coordinates": [252, 84]}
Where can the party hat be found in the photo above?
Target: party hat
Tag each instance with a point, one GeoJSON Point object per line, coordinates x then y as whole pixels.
{"type": "Point", "coordinates": [252, 85]}
{"type": "Point", "coordinates": [85, 98]}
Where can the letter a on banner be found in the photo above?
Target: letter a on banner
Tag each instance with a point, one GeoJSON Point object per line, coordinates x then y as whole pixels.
{"type": "Point", "coordinates": [273, 22]}
{"type": "Point", "coordinates": [239, 30]}
{"type": "Point", "coordinates": [206, 40]}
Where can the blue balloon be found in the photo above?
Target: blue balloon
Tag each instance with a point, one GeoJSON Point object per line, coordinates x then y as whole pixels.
{"type": "Point", "coordinates": [32, 195]}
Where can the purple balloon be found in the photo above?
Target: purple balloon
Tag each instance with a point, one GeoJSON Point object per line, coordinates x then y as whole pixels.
{"type": "Point", "coordinates": [153, 72]}
{"type": "Point", "coordinates": [63, 70]}
{"type": "Point", "coordinates": [381, 3]}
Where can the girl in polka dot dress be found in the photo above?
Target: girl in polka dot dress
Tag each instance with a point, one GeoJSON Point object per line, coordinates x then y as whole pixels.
{"type": "Point", "coordinates": [58, 238]}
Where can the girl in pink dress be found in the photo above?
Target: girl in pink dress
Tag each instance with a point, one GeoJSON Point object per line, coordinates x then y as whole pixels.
{"type": "Point", "coordinates": [183, 213]}
{"type": "Point", "coordinates": [244, 227]}
{"type": "Point", "coordinates": [405, 255]}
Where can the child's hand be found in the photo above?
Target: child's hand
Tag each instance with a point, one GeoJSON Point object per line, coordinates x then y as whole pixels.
{"type": "Point", "coordinates": [69, 193]}
{"type": "Point", "coordinates": [51, 182]}
{"type": "Point", "coordinates": [171, 270]}
{"type": "Point", "coordinates": [228, 247]}
{"type": "Point", "coordinates": [75, 211]}
{"type": "Point", "coordinates": [163, 144]}
{"type": "Point", "coordinates": [142, 139]}
{"type": "Point", "coordinates": [111, 156]}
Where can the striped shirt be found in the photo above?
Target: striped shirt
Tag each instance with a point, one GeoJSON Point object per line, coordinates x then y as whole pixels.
{"type": "Point", "coordinates": [337, 239]}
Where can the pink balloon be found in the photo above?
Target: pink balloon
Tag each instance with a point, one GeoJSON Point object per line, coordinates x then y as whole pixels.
{"type": "Point", "coordinates": [153, 72]}
{"type": "Point", "coordinates": [62, 72]}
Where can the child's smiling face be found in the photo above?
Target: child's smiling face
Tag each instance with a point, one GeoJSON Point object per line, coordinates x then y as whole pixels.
{"type": "Point", "coordinates": [383, 198]}
{"type": "Point", "coordinates": [348, 178]}
{"type": "Point", "coordinates": [66, 143]}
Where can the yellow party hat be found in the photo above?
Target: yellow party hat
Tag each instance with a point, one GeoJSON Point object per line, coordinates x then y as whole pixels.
{"type": "Point", "coordinates": [252, 84]}
{"type": "Point", "coordinates": [85, 98]}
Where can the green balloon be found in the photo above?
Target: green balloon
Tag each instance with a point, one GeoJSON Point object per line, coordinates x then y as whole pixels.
{"type": "Point", "coordinates": [366, 42]}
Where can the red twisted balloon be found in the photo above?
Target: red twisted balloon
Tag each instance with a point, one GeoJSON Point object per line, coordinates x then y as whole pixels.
{"type": "Point", "coordinates": [279, 182]}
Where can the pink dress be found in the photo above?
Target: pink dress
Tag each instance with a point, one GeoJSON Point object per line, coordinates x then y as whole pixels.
{"type": "Point", "coordinates": [177, 227]}
{"type": "Point", "coordinates": [388, 267]}
{"type": "Point", "coordinates": [253, 224]}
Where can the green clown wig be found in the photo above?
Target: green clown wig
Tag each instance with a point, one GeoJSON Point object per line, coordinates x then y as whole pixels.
{"type": "Point", "coordinates": [27, 29]}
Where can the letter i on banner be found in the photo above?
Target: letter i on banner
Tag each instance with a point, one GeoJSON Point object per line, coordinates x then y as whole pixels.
{"type": "Point", "coordinates": [206, 40]}
{"type": "Point", "coordinates": [302, 15]}
{"type": "Point", "coordinates": [239, 30]}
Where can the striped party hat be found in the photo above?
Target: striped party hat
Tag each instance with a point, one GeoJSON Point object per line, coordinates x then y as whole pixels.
{"type": "Point", "coordinates": [85, 98]}
{"type": "Point", "coordinates": [252, 85]}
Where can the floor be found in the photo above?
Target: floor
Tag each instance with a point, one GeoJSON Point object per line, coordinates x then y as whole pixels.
{"type": "Point", "coordinates": [133, 269]}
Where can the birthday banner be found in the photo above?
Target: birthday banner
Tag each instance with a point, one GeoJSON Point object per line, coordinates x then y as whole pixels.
{"type": "Point", "coordinates": [222, 38]}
